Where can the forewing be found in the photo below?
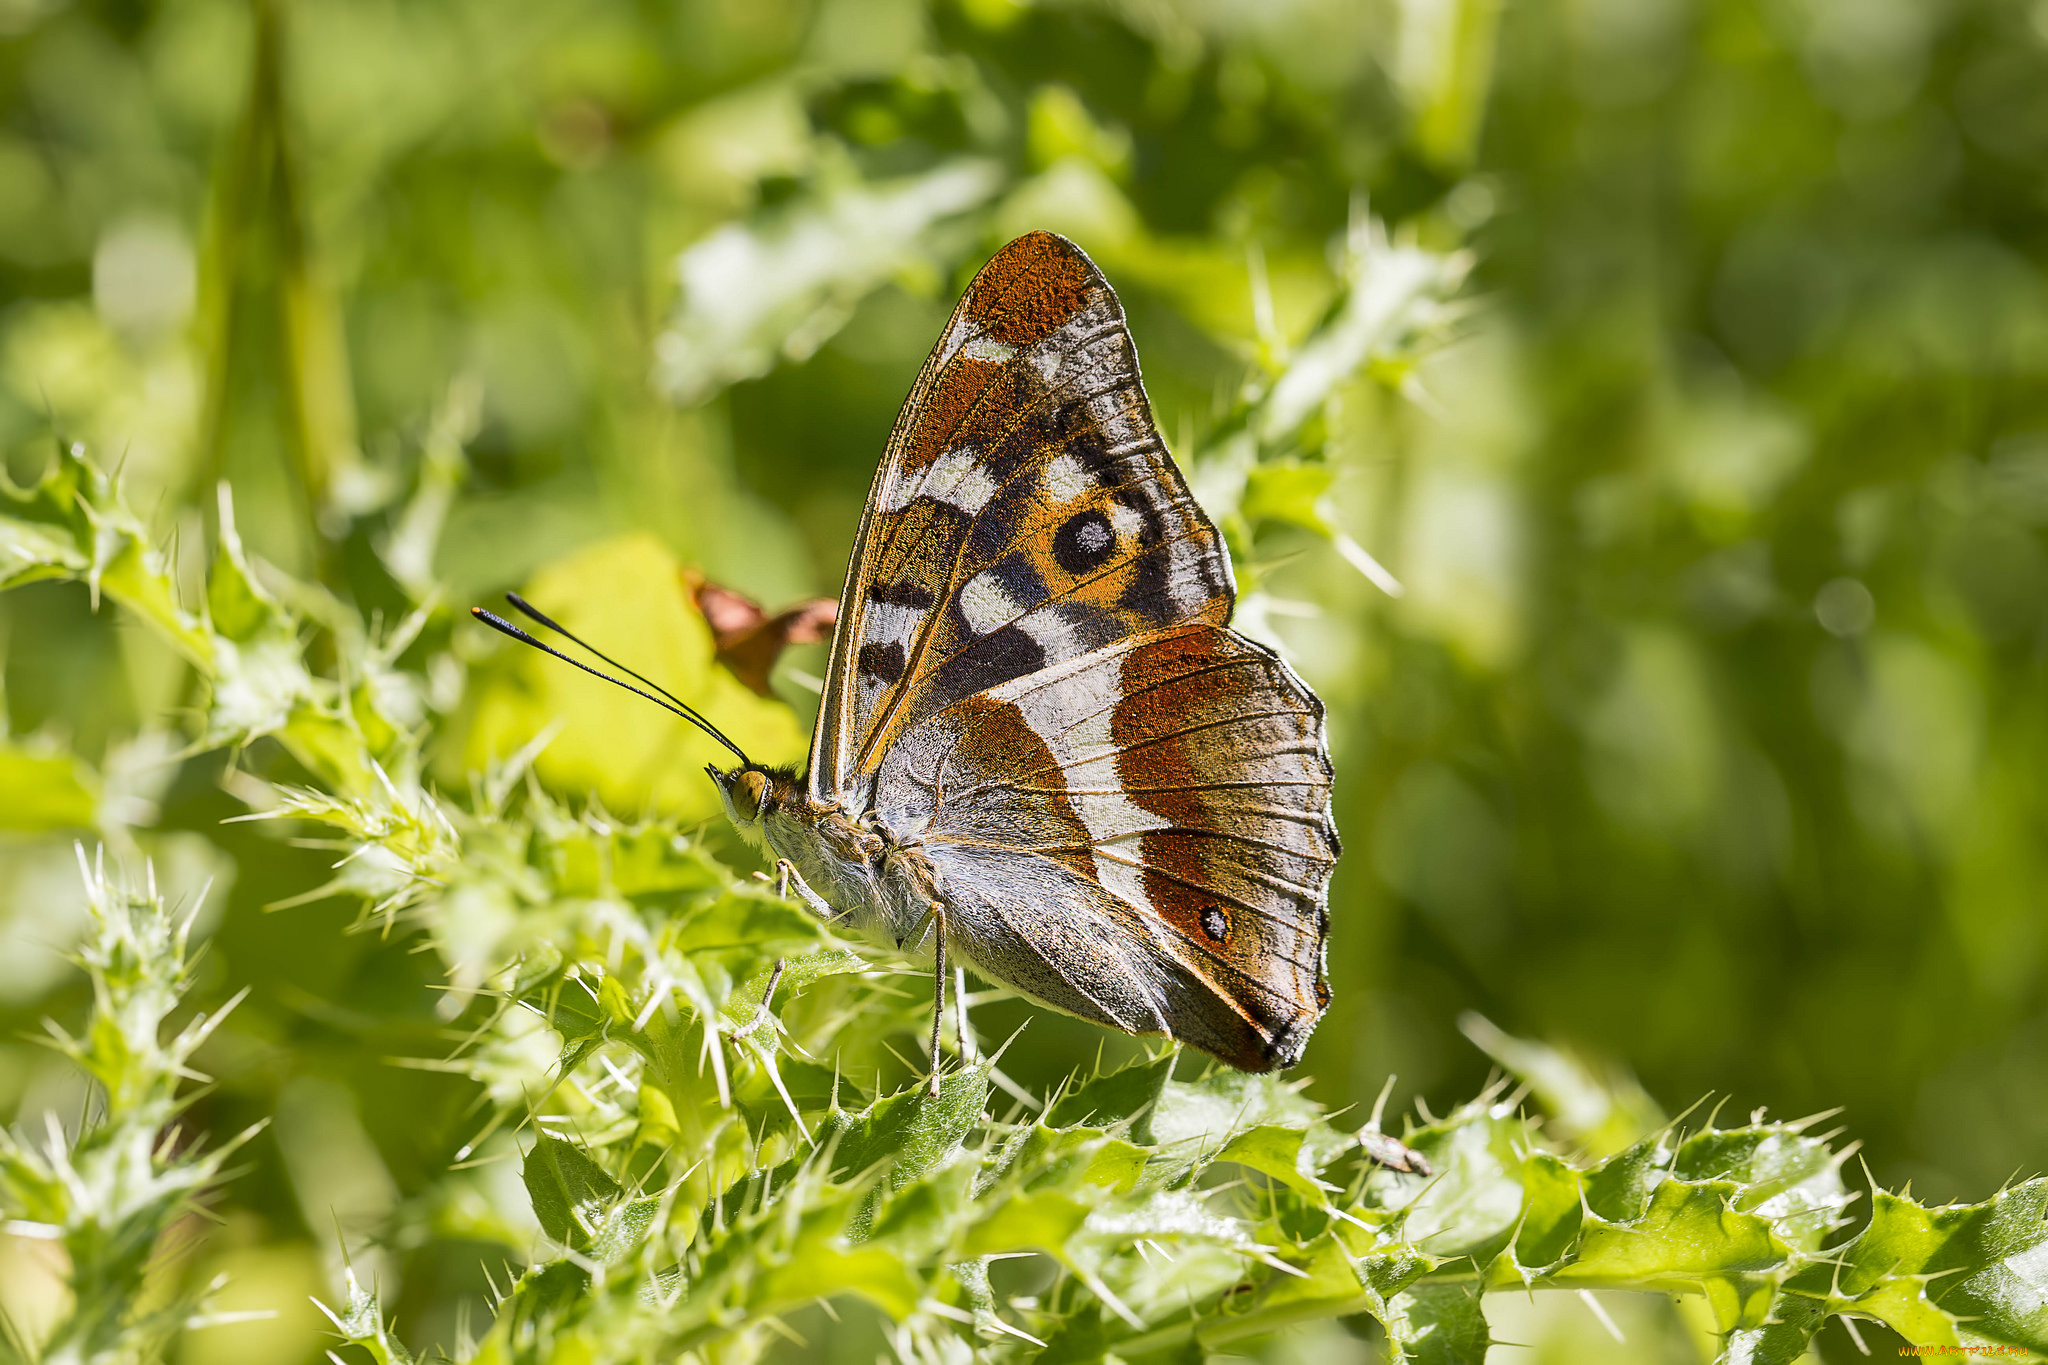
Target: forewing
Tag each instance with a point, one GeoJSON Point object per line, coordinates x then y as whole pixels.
{"type": "Point", "coordinates": [1026, 513]}
{"type": "Point", "coordinates": [1180, 781]}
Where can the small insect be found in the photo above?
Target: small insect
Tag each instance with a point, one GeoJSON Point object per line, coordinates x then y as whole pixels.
{"type": "Point", "coordinates": [1041, 749]}
{"type": "Point", "coordinates": [749, 640]}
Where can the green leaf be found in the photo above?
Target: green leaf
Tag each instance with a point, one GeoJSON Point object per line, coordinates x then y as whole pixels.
{"type": "Point", "coordinates": [1125, 1095]}
{"type": "Point", "coordinates": [623, 1228]}
{"type": "Point", "coordinates": [547, 1297]}
{"type": "Point", "coordinates": [756, 920]}
{"type": "Point", "coordinates": [43, 531]}
{"type": "Point", "coordinates": [1276, 1151]}
{"type": "Point", "coordinates": [73, 525]}
{"type": "Point", "coordinates": [1791, 1179]}
{"type": "Point", "coordinates": [110, 1193]}
{"type": "Point", "coordinates": [1619, 1188]}
{"type": "Point", "coordinates": [240, 608]}
{"type": "Point", "coordinates": [1289, 491]}
{"type": "Point", "coordinates": [798, 974]}
{"type": "Point", "coordinates": [1960, 1274]}
{"type": "Point", "coordinates": [920, 1217]}
{"type": "Point", "coordinates": [1065, 1158]}
{"type": "Point", "coordinates": [1784, 1337]}
{"type": "Point", "coordinates": [1473, 1203]}
{"type": "Point", "coordinates": [1438, 1324]}
{"type": "Point", "coordinates": [360, 1323]}
{"type": "Point", "coordinates": [1603, 1113]}
{"type": "Point", "coordinates": [800, 1250]}
{"type": "Point", "coordinates": [1224, 1102]}
{"type": "Point", "coordinates": [1036, 1222]}
{"type": "Point", "coordinates": [2001, 1294]}
{"type": "Point", "coordinates": [1331, 1281]}
{"type": "Point", "coordinates": [750, 290]}
{"type": "Point", "coordinates": [912, 1130]}
{"type": "Point", "coordinates": [42, 790]}
{"type": "Point", "coordinates": [1688, 1233]}
{"type": "Point", "coordinates": [1551, 1211]}
{"type": "Point", "coordinates": [571, 1194]}
{"type": "Point", "coordinates": [1116, 1165]}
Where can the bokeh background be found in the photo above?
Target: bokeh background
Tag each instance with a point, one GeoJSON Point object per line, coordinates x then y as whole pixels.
{"type": "Point", "coordinates": [1709, 739]}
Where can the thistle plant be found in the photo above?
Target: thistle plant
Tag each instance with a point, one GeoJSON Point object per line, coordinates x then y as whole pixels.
{"type": "Point", "coordinates": [694, 1173]}
{"type": "Point", "coordinates": [117, 1194]}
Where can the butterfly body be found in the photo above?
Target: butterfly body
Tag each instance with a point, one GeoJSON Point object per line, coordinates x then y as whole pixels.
{"type": "Point", "coordinates": [1040, 744]}
{"type": "Point", "coordinates": [871, 874]}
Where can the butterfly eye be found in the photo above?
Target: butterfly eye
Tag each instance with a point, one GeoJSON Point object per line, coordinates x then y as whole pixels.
{"type": "Point", "coordinates": [749, 790]}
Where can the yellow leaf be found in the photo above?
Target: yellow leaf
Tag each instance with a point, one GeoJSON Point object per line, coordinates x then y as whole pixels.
{"type": "Point", "coordinates": [627, 596]}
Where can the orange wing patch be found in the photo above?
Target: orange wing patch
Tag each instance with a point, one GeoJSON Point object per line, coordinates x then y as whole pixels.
{"type": "Point", "coordinates": [1030, 288]}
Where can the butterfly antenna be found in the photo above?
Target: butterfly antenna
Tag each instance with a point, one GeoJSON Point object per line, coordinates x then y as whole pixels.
{"type": "Point", "coordinates": [526, 608]}
{"type": "Point", "coordinates": [665, 701]}
{"type": "Point", "coordinates": [551, 623]}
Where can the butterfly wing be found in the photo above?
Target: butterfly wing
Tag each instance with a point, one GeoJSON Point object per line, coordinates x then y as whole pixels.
{"type": "Point", "coordinates": [1140, 836]}
{"type": "Point", "coordinates": [1025, 512]}
{"type": "Point", "coordinates": [1127, 803]}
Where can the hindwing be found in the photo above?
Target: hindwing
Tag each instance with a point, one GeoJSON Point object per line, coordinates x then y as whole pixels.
{"type": "Point", "coordinates": [1180, 779]}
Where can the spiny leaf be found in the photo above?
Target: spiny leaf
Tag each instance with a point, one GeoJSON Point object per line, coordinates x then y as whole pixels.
{"type": "Point", "coordinates": [1439, 1324]}
{"type": "Point", "coordinates": [360, 1323]}
{"type": "Point", "coordinates": [112, 1192]}
{"type": "Point", "coordinates": [571, 1193]}
{"type": "Point", "coordinates": [1961, 1274]}
{"type": "Point", "coordinates": [1120, 1096]}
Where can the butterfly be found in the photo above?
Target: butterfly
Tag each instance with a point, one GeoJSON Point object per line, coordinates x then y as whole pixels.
{"type": "Point", "coordinates": [1040, 746]}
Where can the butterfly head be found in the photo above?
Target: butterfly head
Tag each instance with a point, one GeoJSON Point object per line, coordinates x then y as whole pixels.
{"type": "Point", "coordinates": [753, 794]}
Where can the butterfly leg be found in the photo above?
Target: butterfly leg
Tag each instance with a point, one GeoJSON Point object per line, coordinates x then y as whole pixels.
{"type": "Point", "coordinates": [938, 917]}
{"type": "Point", "coordinates": [787, 876]}
{"type": "Point", "coordinates": [761, 1015]}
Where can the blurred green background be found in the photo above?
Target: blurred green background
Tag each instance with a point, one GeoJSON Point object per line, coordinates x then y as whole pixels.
{"type": "Point", "coordinates": [1709, 739]}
